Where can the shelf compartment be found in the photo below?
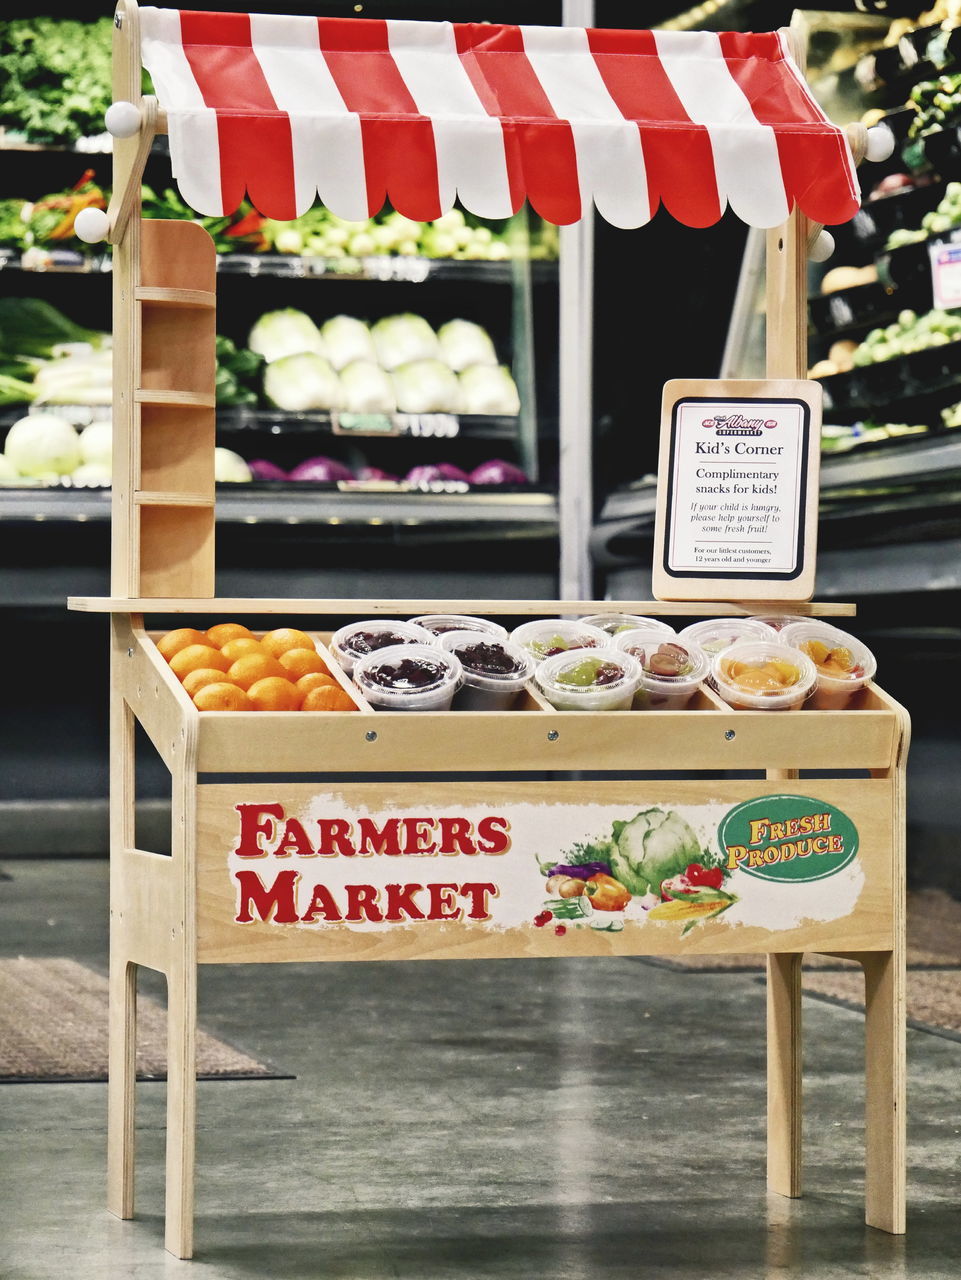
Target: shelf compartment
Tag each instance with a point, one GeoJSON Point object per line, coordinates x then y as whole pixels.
{"type": "Point", "coordinates": [177, 348]}
{"type": "Point", "coordinates": [177, 449]}
{"type": "Point", "coordinates": [176, 549]}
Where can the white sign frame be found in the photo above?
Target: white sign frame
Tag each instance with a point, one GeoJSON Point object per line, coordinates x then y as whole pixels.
{"type": "Point", "coordinates": [737, 490]}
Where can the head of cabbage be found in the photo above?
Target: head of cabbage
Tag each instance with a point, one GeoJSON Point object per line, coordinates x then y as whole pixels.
{"type": "Point", "coordinates": [654, 846]}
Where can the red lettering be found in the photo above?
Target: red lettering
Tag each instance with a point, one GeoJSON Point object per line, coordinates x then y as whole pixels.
{"type": "Point", "coordinates": [400, 902]}
{"type": "Point", "coordinates": [362, 902]}
{"type": "Point", "coordinates": [456, 836]}
{"type": "Point", "coordinates": [255, 820]}
{"type": "Point", "coordinates": [478, 894]}
{"type": "Point", "coordinates": [493, 835]}
{"type": "Point", "coordinates": [416, 839]}
{"type": "Point", "coordinates": [321, 904]}
{"type": "Point", "coordinates": [335, 837]}
{"type": "Point", "coordinates": [256, 899]}
{"type": "Point", "coordinates": [294, 840]}
{"type": "Point", "coordinates": [442, 905]}
{"type": "Point", "coordinates": [371, 839]}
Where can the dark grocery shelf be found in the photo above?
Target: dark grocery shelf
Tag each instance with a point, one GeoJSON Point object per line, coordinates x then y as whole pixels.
{"type": "Point", "coordinates": [922, 376]}
{"type": "Point", "coordinates": [836, 314]}
{"type": "Point", "coordinates": [877, 219]}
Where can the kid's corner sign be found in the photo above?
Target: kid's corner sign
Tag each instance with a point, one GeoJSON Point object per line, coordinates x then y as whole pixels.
{"type": "Point", "coordinates": [329, 863]}
{"type": "Point", "coordinates": [737, 490]}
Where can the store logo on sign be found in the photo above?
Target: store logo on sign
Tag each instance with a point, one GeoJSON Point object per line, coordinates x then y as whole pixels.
{"type": "Point", "coordinates": [735, 424]}
{"type": "Point", "coordinates": [792, 839]}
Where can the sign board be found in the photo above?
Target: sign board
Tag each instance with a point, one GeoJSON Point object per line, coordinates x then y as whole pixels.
{"type": "Point", "coordinates": [737, 490]}
{"type": "Point", "coordinates": [373, 871]}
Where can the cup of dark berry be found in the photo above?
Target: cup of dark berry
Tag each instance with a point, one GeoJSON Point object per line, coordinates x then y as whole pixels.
{"type": "Point", "coordinates": [495, 670]}
{"type": "Point", "coordinates": [357, 639]}
{"type": "Point", "coordinates": [440, 623]}
{"type": "Point", "coordinates": [409, 677]}
{"type": "Point", "coordinates": [602, 679]}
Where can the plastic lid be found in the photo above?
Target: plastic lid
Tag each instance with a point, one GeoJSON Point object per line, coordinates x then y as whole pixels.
{"type": "Point", "coordinates": [862, 663]}
{"type": "Point", "coordinates": [406, 672]}
{"type": "Point", "coordinates": [562, 673]}
{"type": "Point", "coordinates": [440, 623]}
{"type": "Point", "coordinates": [356, 639]}
{"type": "Point", "coordinates": [613, 623]}
{"type": "Point", "coordinates": [763, 674]}
{"type": "Point", "coordinates": [544, 637]}
{"type": "Point", "coordinates": [478, 653]}
{"type": "Point", "coordinates": [714, 634]}
{"type": "Point", "coordinates": [644, 642]}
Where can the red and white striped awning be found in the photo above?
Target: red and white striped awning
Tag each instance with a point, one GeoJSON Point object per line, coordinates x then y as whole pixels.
{"type": "Point", "coordinates": [362, 111]}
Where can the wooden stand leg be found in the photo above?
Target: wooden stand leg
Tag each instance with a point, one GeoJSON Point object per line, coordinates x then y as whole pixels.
{"type": "Point", "coordinates": [181, 1109]}
{"type": "Point", "coordinates": [885, 1091]}
{"type": "Point", "coordinates": [122, 1086]}
{"type": "Point", "coordinates": [784, 1073]}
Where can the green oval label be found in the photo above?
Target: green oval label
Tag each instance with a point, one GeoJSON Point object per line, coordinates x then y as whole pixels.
{"type": "Point", "coordinates": [787, 838]}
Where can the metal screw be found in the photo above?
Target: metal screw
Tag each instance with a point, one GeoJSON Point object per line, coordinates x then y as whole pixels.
{"type": "Point", "coordinates": [371, 735]}
{"type": "Point", "coordinates": [552, 735]}
{"type": "Point", "coordinates": [729, 734]}
{"type": "Point", "coordinates": [130, 653]}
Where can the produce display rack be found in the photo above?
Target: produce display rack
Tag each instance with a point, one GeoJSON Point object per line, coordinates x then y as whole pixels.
{"type": "Point", "coordinates": [171, 913]}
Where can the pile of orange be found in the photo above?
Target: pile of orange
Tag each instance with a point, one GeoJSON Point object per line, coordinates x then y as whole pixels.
{"type": "Point", "coordinates": [228, 668]}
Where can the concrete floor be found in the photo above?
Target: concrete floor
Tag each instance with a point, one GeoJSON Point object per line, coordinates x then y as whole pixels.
{"type": "Point", "coordinates": [449, 1120]}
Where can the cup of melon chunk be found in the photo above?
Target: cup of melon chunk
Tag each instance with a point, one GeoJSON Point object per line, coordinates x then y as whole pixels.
{"type": "Point", "coordinates": [844, 663]}
{"type": "Point", "coordinates": [762, 675]}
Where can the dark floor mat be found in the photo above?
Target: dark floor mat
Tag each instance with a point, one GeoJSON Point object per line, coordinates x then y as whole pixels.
{"type": "Point", "coordinates": [53, 1028]}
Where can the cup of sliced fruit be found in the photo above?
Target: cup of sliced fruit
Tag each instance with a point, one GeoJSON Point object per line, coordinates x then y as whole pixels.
{"type": "Point", "coordinates": [409, 677]}
{"type": "Point", "coordinates": [545, 637]}
{"type": "Point", "coordinates": [614, 623]}
{"type": "Point", "coordinates": [715, 634]}
{"type": "Point", "coordinates": [670, 670]}
{"type": "Point", "coordinates": [355, 640]}
{"type": "Point", "coordinates": [495, 669]}
{"type": "Point", "coordinates": [763, 675]}
{"type": "Point", "coordinates": [601, 679]}
{"type": "Point", "coordinates": [844, 663]}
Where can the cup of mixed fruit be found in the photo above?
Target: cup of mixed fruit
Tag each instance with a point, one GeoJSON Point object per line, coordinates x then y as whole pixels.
{"type": "Point", "coordinates": [763, 675]}
{"type": "Point", "coordinates": [599, 679]}
{"type": "Point", "coordinates": [670, 670]}
{"type": "Point", "coordinates": [545, 637]}
{"type": "Point", "coordinates": [409, 677]}
{"type": "Point", "coordinates": [613, 623]}
{"type": "Point", "coordinates": [495, 669]}
{"type": "Point", "coordinates": [844, 664]}
{"type": "Point", "coordinates": [357, 639]}
{"type": "Point", "coordinates": [715, 634]}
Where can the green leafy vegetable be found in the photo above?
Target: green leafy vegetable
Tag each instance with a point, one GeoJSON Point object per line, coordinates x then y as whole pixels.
{"type": "Point", "coordinates": [33, 327]}
{"type": "Point", "coordinates": [55, 80]}
{"type": "Point", "coordinates": [653, 846]}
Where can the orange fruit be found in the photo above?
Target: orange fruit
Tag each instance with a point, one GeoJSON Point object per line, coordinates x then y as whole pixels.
{"type": "Point", "coordinates": [329, 697]}
{"type": "Point", "coordinates": [176, 640]}
{"type": "Point", "coordinates": [281, 639]}
{"type": "Point", "coordinates": [314, 680]}
{"type": "Point", "coordinates": [302, 662]}
{"type": "Point", "coordinates": [195, 680]}
{"type": "Point", "coordinates": [196, 656]}
{"type": "Point", "coordinates": [251, 667]}
{"type": "Point", "coordinates": [234, 649]}
{"type": "Point", "coordinates": [224, 631]}
{"type": "Point", "coordinates": [274, 693]}
{"type": "Point", "coordinates": [222, 697]}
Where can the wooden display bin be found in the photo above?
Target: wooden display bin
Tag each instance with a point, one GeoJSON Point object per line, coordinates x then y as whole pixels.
{"type": "Point", "coordinates": [387, 852]}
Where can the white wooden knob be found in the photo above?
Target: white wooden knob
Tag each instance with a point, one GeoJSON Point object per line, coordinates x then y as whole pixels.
{"type": "Point", "coordinates": [122, 119]}
{"type": "Point", "coordinates": [822, 248]}
{"type": "Point", "coordinates": [880, 143]}
{"type": "Point", "coordinates": [91, 225]}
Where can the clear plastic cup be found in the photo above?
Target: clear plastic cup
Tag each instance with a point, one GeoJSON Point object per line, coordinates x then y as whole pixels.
{"type": "Point", "coordinates": [568, 694]}
{"type": "Point", "coordinates": [356, 639]}
{"type": "Point", "coordinates": [844, 663]}
{"type": "Point", "coordinates": [495, 669]}
{"type": "Point", "coordinates": [715, 634]}
{"type": "Point", "coordinates": [409, 677]}
{"type": "Point", "coordinates": [544, 637]}
{"type": "Point", "coordinates": [763, 675]}
{"type": "Point", "coordinates": [776, 621]}
{"type": "Point", "coordinates": [662, 689]}
{"type": "Point", "coordinates": [613, 623]}
{"type": "Point", "coordinates": [439, 623]}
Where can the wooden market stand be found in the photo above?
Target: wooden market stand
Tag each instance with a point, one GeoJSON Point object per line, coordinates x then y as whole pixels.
{"type": "Point", "coordinates": [172, 913]}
